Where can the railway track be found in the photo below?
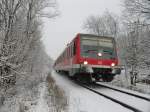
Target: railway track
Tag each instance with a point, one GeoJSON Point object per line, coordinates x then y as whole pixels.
{"type": "Point", "coordinates": [122, 103]}
{"type": "Point", "coordinates": [122, 91]}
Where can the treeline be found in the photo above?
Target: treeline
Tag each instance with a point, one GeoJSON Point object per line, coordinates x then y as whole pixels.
{"type": "Point", "coordinates": [22, 55]}
{"type": "Point", "coordinates": [132, 32]}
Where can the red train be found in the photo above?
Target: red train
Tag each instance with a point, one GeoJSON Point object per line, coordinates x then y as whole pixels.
{"type": "Point", "coordinates": [89, 58]}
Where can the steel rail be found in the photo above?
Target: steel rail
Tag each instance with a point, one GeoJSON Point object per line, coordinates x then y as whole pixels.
{"type": "Point", "coordinates": [110, 98]}
{"type": "Point", "coordinates": [135, 95]}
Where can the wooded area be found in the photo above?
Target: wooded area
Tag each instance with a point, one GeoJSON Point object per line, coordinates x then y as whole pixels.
{"type": "Point", "coordinates": [22, 54]}
{"type": "Point", "coordinates": [132, 32]}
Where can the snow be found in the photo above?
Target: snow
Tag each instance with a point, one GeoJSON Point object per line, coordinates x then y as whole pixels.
{"type": "Point", "coordinates": [127, 90]}
{"type": "Point", "coordinates": [83, 100]}
{"type": "Point", "coordinates": [79, 99]}
{"type": "Point", "coordinates": [28, 100]}
{"type": "Point", "coordinates": [41, 105]}
{"type": "Point", "coordinates": [131, 100]}
{"type": "Point", "coordinates": [19, 99]}
{"type": "Point", "coordinates": [144, 87]}
{"type": "Point", "coordinates": [123, 81]}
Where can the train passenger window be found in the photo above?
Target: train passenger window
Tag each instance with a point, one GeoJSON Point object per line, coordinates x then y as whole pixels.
{"type": "Point", "coordinates": [68, 52]}
{"type": "Point", "coordinates": [74, 48]}
{"type": "Point", "coordinates": [64, 55]}
{"type": "Point", "coordinates": [71, 50]}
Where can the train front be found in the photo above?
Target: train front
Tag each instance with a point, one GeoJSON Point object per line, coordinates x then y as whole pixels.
{"type": "Point", "coordinates": [98, 57]}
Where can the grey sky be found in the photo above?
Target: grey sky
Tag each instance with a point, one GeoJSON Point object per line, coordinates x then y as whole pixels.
{"type": "Point", "coordinates": [60, 31]}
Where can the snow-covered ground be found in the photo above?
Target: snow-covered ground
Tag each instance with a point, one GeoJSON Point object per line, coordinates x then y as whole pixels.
{"type": "Point", "coordinates": [128, 99]}
{"type": "Point", "coordinates": [20, 99]}
{"type": "Point", "coordinates": [82, 100]}
{"type": "Point", "coordinates": [79, 99]}
{"type": "Point", "coordinates": [143, 87]}
{"type": "Point", "coordinates": [126, 90]}
{"type": "Point", "coordinates": [123, 81]}
{"type": "Point", "coordinates": [29, 100]}
{"type": "Point", "coordinates": [42, 105]}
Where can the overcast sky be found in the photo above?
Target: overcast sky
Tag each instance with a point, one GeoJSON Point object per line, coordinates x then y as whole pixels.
{"type": "Point", "coordinates": [60, 31]}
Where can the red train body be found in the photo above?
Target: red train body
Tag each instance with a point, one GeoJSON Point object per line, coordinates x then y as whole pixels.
{"type": "Point", "coordinates": [89, 57]}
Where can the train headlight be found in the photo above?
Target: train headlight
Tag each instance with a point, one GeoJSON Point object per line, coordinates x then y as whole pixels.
{"type": "Point", "coordinates": [113, 64]}
{"type": "Point", "coordinates": [85, 62]}
{"type": "Point", "coordinates": [99, 54]}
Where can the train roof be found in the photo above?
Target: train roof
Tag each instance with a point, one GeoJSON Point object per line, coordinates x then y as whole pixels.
{"type": "Point", "coordinates": [92, 35]}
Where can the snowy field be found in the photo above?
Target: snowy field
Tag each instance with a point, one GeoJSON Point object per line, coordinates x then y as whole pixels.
{"type": "Point", "coordinates": [123, 81]}
{"type": "Point", "coordinates": [38, 99]}
{"type": "Point", "coordinates": [82, 100]}
{"type": "Point", "coordinates": [41, 102]}
{"type": "Point", "coordinates": [128, 99]}
{"type": "Point", "coordinates": [27, 100]}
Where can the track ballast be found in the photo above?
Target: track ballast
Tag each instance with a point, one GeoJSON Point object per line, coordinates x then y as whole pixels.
{"type": "Point", "coordinates": [129, 93]}
{"type": "Point", "coordinates": [113, 99]}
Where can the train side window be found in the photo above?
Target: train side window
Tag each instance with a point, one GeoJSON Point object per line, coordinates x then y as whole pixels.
{"type": "Point", "coordinates": [65, 53]}
{"type": "Point", "coordinates": [74, 48]}
{"type": "Point", "coordinates": [71, 50]}
{"type": "Point", "coordinates": [68, 52]}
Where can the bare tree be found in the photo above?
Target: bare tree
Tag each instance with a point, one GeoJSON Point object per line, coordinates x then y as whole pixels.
{"type": "Point", "coordinates": [20, 35]}
{"type": "Point", "coordinates": [132, 54]}
{"type": "Point", "coordinates": [145, 47]}
{"type": "Point", "coordinates": [106, 25]}
{"type": "Point", "coordinates": [138, 7]}
{"type": "Point", "coordinates": [131, 49]}
{"type": "Point", "coordinates": [137, 50]}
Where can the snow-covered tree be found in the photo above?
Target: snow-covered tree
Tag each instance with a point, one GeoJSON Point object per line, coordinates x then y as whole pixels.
{"type": "Point", "coordinates": [20, 35]}
{"type": "Point", "coordinates": [145, 47]}
{"type": "Point", "coordinates": [106, 25]}
{"type": "Point", "coordinates": [136, 15]}
{"type": "Point", "coordinates": [138, 7]}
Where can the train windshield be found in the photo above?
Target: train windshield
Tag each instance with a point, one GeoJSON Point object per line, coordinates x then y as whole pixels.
{"type": "Point", "coordinates": [96, 47]}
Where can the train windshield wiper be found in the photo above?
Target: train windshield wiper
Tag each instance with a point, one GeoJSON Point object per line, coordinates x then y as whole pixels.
{"type": "Point", "coordinates": [108, 51]}
{"type": "Point", "coordinates": [90, 50]}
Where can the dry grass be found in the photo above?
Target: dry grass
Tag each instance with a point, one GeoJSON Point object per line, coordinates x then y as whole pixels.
{"type": "Point", "coordinates": [58, 97]}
